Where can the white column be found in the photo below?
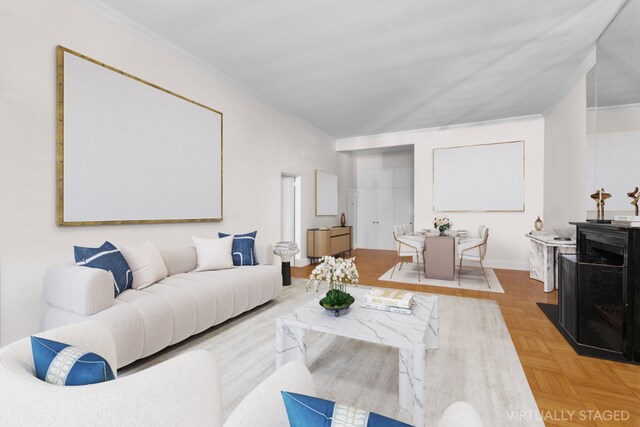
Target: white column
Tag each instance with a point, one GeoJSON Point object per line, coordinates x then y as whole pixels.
{"type": "Point", "coordinates": [290, 344]}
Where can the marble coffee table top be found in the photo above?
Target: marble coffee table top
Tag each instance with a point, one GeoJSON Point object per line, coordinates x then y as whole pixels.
{"type": "Point", "coordinates": [382, 327]}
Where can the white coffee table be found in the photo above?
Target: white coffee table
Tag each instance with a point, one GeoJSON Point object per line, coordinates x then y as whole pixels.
{"type": "Point", "coordinates": [412, 335]}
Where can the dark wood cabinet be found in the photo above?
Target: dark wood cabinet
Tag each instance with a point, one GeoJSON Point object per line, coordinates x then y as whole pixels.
{"type": "Point", "coordinates": [604, 296]}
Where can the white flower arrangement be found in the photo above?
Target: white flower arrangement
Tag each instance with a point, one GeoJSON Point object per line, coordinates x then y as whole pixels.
{"type": "Point", "coordinates": [337, 273]}
{"type": "Point", "coordinates": [442, 223]}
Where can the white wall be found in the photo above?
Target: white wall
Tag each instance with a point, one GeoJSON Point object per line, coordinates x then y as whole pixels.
{"type": "Point", "coordinates": [508, 248]}
{"type": "Point", "coordinates": [391, 159]}
{"type": "Point", "coordinates": [565, 160]}
{"type": "Point", "coordinates": [260, 143]}
{"type": "Point", "coordinates": [613, 147]}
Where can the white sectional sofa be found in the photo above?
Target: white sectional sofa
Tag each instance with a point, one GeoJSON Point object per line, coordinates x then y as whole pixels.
{"type": "Point", "coordinates": [145, 321]}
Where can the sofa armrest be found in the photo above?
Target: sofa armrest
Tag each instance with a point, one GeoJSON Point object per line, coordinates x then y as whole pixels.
{"type": "Point", "coordinates": [460, 414]}
{"type": "Point", "coordinates": [264, 253]}
{"type": "Point", "coordinates": [82, 290]}
{"type": "Point", "coordinates": [184, 390]}
{"type": "Point", "coordinates": [264, 407]}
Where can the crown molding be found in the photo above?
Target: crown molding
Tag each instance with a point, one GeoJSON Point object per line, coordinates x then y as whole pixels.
{"type": "Point", "coordinates": [448, 127]}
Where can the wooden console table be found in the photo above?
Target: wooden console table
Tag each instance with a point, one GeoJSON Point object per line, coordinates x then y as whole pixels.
{"type": "Point", "coordinates": [330, 241]}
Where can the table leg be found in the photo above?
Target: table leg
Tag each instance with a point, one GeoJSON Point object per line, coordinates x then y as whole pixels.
{"type": "Point", "coordinates": [431, 339]}
{"type": "Point", "coordinates": [412, 392]}
{"type": "Point", "coordinates": [290, 344]}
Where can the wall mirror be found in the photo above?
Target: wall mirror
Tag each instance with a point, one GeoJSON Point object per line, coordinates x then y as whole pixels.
{"type": "Point", "coordinates": [326, 194]}
{"type": "Point", "coordinates": [613, 113]}
{"type": "Point", "coordinates": [132, 152]}
{"type": "Point", "coordinates": [479, 178]}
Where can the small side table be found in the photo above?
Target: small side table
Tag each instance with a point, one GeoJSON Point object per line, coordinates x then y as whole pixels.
{"type": "Point", "coordinates": [286, 255]}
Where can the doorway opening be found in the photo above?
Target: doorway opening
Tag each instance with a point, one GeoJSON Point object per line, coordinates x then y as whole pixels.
{"type": "Point", "coordinates": [290, 211]}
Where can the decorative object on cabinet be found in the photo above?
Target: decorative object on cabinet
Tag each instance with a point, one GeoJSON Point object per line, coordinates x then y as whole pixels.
{"type": "Point", "coordinates": [337, 273]}
{"type": "Point", "coordinates": [107, 117]}
{"type": "Point", "coordinates": [538, 225]}
{"type": "Point", "coordinates": [442, 224]}
{"type": "Point", "coordinates": [407, 245]}
{"type": "Point", "coordinates": [635, 196]}
{"type": "Point", "coordinates": [464, 182]}
{"type": "Point", "coordinates": [343, 220]}
{"type": "Point", "coordinates": [326, 194]}
{"type": "Point", "coordinates": [600, 196]}
{"type": "Point", "coordinates": [328, 242]}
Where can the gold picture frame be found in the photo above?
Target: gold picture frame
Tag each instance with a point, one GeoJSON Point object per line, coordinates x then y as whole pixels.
{"type": "Point", "coordinates": [60, 149]}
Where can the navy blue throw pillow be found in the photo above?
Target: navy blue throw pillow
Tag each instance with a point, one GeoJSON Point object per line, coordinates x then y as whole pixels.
{"type": "Point", "coordinates": [61, 364]}
{"type": "Point", "coordinates": [106, 257]}
{"type": "Point", "coordinates": [243, 248]}
{"type": "Point", "coordinates": [307, 411]}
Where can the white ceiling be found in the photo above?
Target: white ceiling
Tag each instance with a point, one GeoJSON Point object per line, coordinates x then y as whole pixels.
{"type": "Point", "coordinates": [363, 67]}
{"type": "Point", "coordinates": [617, 72]}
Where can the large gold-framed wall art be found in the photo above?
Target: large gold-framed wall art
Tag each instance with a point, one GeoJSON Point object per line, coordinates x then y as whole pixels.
{"type": "Point", "coordinates": [479, 178]}
{"type": "Point", "coordinates": [129, 151]}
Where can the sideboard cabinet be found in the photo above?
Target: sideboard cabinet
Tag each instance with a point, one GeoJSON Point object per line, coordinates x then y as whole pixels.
{"type": "Point", "coordinates": [329, 241]}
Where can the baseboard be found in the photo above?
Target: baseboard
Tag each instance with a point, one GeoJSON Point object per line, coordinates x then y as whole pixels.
{"type": "Point", "coordinates": [303, 262]}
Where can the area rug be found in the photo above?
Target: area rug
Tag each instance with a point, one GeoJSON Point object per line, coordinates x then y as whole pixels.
{"type": "Point", "coordinates": [476, 362]}
{"type": "Point", "coordinates": [472, 278]}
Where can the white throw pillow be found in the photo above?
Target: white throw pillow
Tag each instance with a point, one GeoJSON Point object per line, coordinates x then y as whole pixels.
{"type": "Point", "coordinates": [213, 254]}
{"type": "Point", "coordinates": [146, 263]}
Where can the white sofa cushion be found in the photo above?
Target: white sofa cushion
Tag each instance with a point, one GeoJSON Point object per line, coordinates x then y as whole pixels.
{"type": "Point", "coordinates": [146, 263]}
{"type": "Point", "coordinates": [213, 254]}
{"type": "Point", "coordinates": [181, 260]}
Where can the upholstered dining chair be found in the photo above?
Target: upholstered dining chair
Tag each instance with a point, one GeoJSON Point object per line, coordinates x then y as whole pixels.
{"type": "Point", "coordinates": [474, 249]}
{"type": "Point", "coordinates": [412, 246]}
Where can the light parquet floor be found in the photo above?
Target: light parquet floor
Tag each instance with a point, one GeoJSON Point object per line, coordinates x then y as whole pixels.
{"type": "Point", "coordinates": [570, 390]}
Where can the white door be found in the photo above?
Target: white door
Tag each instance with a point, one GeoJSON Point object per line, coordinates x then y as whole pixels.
{"type": "Point", "coordinates": [352, 209]}
{"type": "Point", "coordinates": [366, 214]}
{"type": "Point", "coordinates": [385, 219]}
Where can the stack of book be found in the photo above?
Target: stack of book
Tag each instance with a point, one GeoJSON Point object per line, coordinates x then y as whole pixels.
{"type": "Point", "coordinates": [626, 221]}
{"type": "Point", "coordinates": [389, 300]}
{"type": "Point", "coordinates": [286, 246]}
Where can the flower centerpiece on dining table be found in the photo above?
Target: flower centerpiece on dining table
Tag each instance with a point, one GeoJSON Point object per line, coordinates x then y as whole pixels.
{"type": "Point", "coordinates": [442, 224]}
{"type": "Point", "coordinates": [337, 273]}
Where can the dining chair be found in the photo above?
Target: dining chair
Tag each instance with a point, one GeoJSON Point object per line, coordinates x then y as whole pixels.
{"type": "Point", "coordinates": [412, 246]}
{"type": "Point", "coordinates": [474, 249]}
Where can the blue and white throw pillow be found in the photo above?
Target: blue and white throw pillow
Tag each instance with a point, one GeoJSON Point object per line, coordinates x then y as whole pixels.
{"type": "Point", "coordinates": [243, 248]}
{"type": "Point", "coordinates": [106, 257]}
{"type": "Point", "coordinates": [62, 364]}
{"type": "Point", "coordinates": [307, 411]}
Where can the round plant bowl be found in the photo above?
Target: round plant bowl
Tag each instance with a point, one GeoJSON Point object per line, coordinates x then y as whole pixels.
{"type": "Point", "coordinates": [337, 305]}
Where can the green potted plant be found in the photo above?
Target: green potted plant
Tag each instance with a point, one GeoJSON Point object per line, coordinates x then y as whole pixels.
{"type": "Point", "coordinates": [337, 273]}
